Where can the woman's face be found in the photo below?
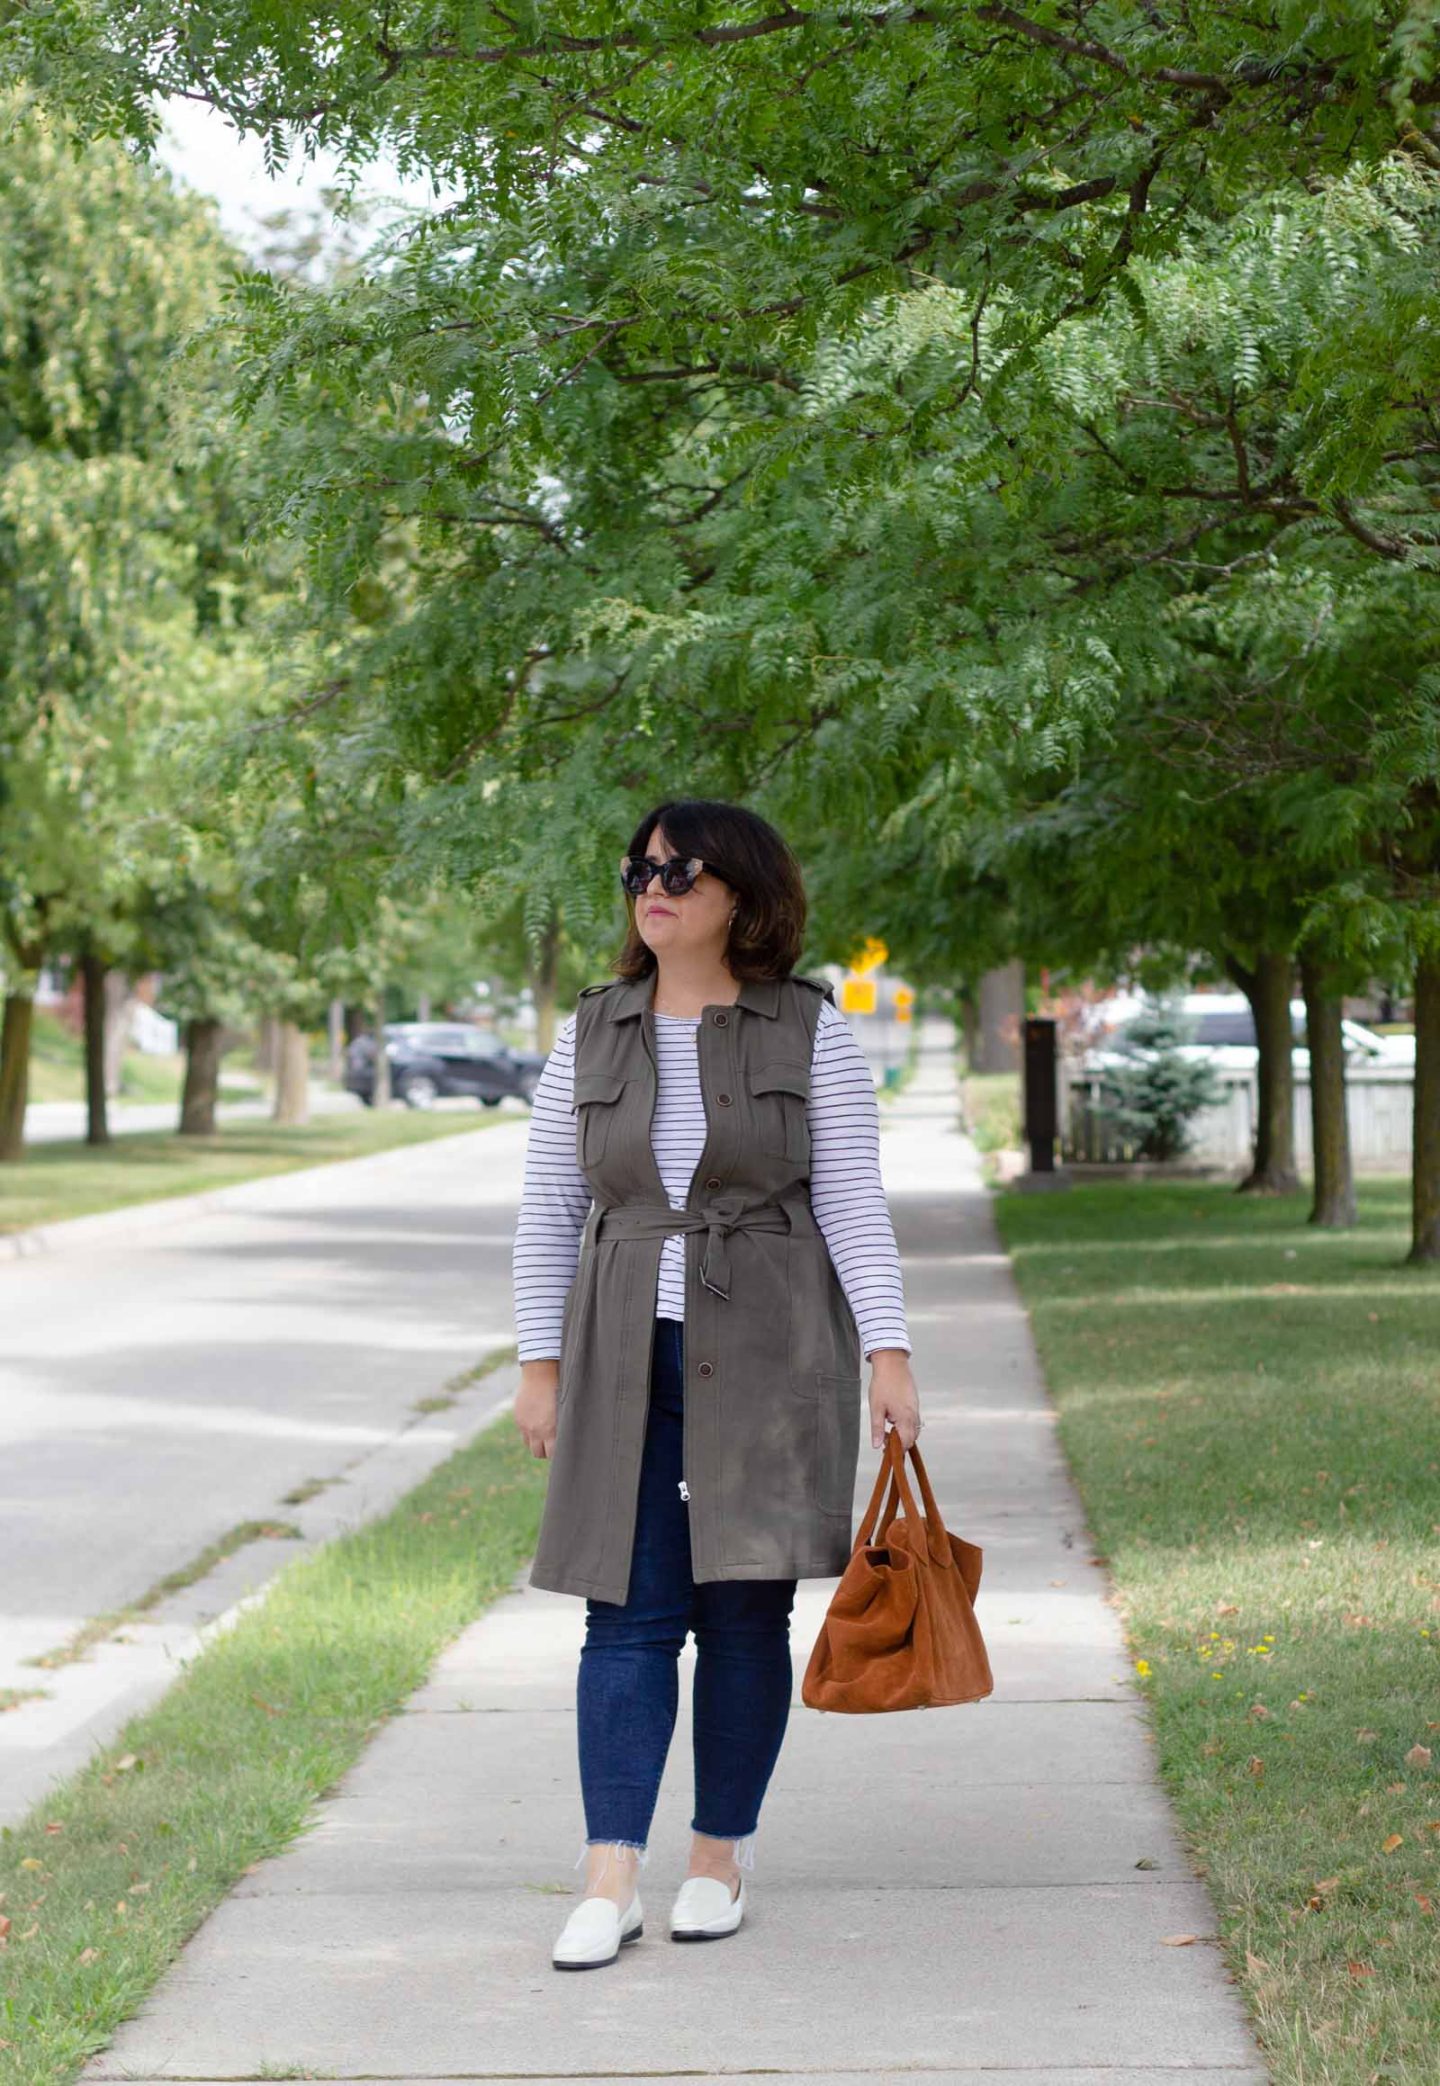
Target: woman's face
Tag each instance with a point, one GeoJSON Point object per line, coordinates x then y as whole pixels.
{"type": "Point", "coordinates": [695, 923]}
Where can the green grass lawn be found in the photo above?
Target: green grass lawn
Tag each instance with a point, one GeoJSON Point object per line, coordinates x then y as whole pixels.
{"type": "Point", "coordinates": [109, 1876]}
{"type": "Point", "coordinates": [57, 1069]}
{"type": "Point", "coordinates": [1252, 1411]}
{"type": "Point", "coordinates": [63, 1179]}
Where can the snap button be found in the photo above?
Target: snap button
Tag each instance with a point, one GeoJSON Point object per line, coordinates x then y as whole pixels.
{"type": "Point", "coordinates": [723, 1099]}
{"type": "Point", "coordinates": [706, 1369]}
{"type": "Point", "coordinates": [714, 1181]}
{"type": "Point", "coordinates": [722, 1021]}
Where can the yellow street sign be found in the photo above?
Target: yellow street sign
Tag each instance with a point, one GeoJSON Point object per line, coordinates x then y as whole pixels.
{"type": "Point", "coordinates": [857, 995]}
{"type": "Point", "coordinates": [872, 955]}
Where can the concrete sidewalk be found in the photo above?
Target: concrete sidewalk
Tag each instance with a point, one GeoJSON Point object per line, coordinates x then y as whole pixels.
{"type": "Point", "coordinates": [952, 1892]}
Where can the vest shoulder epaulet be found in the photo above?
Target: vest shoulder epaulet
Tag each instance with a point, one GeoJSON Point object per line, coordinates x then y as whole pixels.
{"type": "Point", "coordinates": [820, 985]}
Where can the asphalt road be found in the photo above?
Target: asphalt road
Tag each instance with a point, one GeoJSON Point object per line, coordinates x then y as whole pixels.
{"type": "Point", "coordinates": [157, 1389]}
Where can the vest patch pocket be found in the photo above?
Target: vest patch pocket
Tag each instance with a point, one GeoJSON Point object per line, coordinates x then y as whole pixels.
{"type": "Point", "coordinates": [596, 1094]}
{"type": "Point", "coordinates": [837, 1441]}
{"type": "Point", "coordinates": [778, 1095]}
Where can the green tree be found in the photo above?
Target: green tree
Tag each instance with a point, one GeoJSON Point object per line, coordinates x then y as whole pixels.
{"type": "Point", "coordinates": [106, 270]}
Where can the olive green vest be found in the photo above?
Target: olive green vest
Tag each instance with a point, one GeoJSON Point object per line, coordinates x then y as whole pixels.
{"type": "Point", "coordinates": [772, 1354]}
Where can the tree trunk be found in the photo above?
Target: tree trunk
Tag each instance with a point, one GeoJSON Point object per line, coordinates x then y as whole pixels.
{"type": "Point", "coordinates": [544, 978]}
{"type": "Point", "coordinates": [292, 1075]}
{"type": "Point", "coordinates": [1002, 1010]}
{"type": "Point", "coordinates": [1425, 1180]}
{"type": "Point", "coordinates": [1333, 1208]}
{"type": "Point", "coordinates": [204, 1047]}
{"type": "Point", "coordinates": [380, 1091]}
{"type": "Point", "coordinates": [335, 1036]}
{"type": "Point", "coordinates": [120, 999]}
{"type": "Point", "coordinates": [92, 971]}
{"type": "Point", "coordinates": [970, 1027]}
{"type": "Point", "coordinates": [267, 1044]}
{"type": "Point", "coordinates": [422, 1006]}
{"type": "Point", "coordinates": [15, 1073]}
{"type": "Point", "coordinates": [1267, 987]}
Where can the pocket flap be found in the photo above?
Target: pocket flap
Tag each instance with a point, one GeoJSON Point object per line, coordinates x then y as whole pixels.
{"type": "Point", "coordinates": [781, 1078]}
{"type": "Point", "coordinates": [598, 1086]}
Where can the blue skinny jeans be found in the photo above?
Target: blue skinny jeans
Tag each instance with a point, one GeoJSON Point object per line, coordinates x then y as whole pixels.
{"type": "Point", "coordinates": [628, 1688]}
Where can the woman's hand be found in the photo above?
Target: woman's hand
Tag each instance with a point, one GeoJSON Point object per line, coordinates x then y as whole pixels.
{"type": "Point", "coordinates": [535, 1403]}
{"type": "Point", "coordinates": [893, 1397]}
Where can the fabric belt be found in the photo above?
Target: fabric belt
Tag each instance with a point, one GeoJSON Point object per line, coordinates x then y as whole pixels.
{"type": "Point", "coordinates": [716, 1218]}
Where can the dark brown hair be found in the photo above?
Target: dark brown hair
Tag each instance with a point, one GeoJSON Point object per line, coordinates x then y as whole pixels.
{"type": "Point", "coordinates": [744, 851]}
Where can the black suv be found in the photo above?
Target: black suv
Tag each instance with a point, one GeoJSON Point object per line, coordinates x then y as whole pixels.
{"type": "Point", "coordinates": [431, 1059]}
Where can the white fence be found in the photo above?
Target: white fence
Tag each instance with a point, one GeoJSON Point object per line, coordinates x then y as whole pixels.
{"type": "Point", "coordinates": [1379, 1103]}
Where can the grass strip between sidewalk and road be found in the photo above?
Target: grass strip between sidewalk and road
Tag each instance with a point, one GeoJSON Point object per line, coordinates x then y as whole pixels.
{"type": "Point", "coordinates": [1251, 1409]}
{"type": "Point", "coordinates": [61, 1179]}
{"type": "Point", "coordinates": [113, 1871]}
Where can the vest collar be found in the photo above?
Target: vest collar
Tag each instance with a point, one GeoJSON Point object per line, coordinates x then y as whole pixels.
{"type": "Point", "coordinates": [760, 995]}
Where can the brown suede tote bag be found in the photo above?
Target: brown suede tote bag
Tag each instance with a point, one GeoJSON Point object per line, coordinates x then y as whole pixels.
{"type": "Point", "coordinates": [900, 1631]}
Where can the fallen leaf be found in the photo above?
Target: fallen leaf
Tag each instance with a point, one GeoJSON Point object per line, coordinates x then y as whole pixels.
{"type": "Point", "coordinates": [1147, 1861]}
{"type": "Point", "coordinates": [1255, 1766]}
{"type": "Point", "coordinates": [1424, 1903]}
{"type": "Point", "coordinates": [1358, 1969]}
{"type": "Point", "coordinates": [1418, 1756]}
{"type": "Point", "coordinates": [1177, 1940]}
{"type": "Point", "coordinates": [88, 1955]}
{"type": "Point", "coordinates": [1395, 1840]}
{"type": "Point", "coordinates": [1226, 1608]}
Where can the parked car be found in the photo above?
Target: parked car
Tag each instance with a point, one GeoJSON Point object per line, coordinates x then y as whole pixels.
{"type": "Point", "coordinates": [1223, 1030]}
{"type": "Point", "coordinates": [432, 1060]}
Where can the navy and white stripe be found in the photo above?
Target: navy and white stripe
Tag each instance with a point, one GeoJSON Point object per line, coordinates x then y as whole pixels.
{"type": "Point", "coordinates": [846, 1192]}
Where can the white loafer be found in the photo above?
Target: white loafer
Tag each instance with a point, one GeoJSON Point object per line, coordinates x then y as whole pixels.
{"type": "Point", "coordinates": [704, 1909]}
{"type": "Point", "coordinates": [595, 1933]}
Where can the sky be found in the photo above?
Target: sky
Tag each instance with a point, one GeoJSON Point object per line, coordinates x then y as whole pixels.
{"type": "Point", "coordinates": [207, 153]}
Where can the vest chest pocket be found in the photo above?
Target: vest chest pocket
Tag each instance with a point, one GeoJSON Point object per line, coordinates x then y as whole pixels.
{"type": "Point", "coordinates": [596, 1096]}
{"type": "Point", "coordinates": [778, 1094]}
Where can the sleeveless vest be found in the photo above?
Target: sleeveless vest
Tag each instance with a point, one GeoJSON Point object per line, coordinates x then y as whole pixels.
{"type": "Point", "coordinates": [771, 1350]}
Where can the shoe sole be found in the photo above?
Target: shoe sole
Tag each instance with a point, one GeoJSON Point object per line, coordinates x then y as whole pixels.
{"type": "Point", "coordinates": [701, 1934]}
{"type": "Point", "coordinates": [601, 1962]}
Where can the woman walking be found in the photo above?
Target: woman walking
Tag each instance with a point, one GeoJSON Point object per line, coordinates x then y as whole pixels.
{"type": "Point", "coordinates": [703, 1251]}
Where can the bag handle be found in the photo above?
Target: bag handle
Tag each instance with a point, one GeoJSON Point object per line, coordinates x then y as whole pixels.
{"type": "Point", "coordinates": [892, 1474]}
{"type": "Point", "coordinates": [940, 1550]}
{"type": "Point", "coordinates": [884, 1476]}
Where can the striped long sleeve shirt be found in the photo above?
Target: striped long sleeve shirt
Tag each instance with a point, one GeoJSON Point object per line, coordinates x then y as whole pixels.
{"type": "Point", "coordinates": [846, 1192]}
